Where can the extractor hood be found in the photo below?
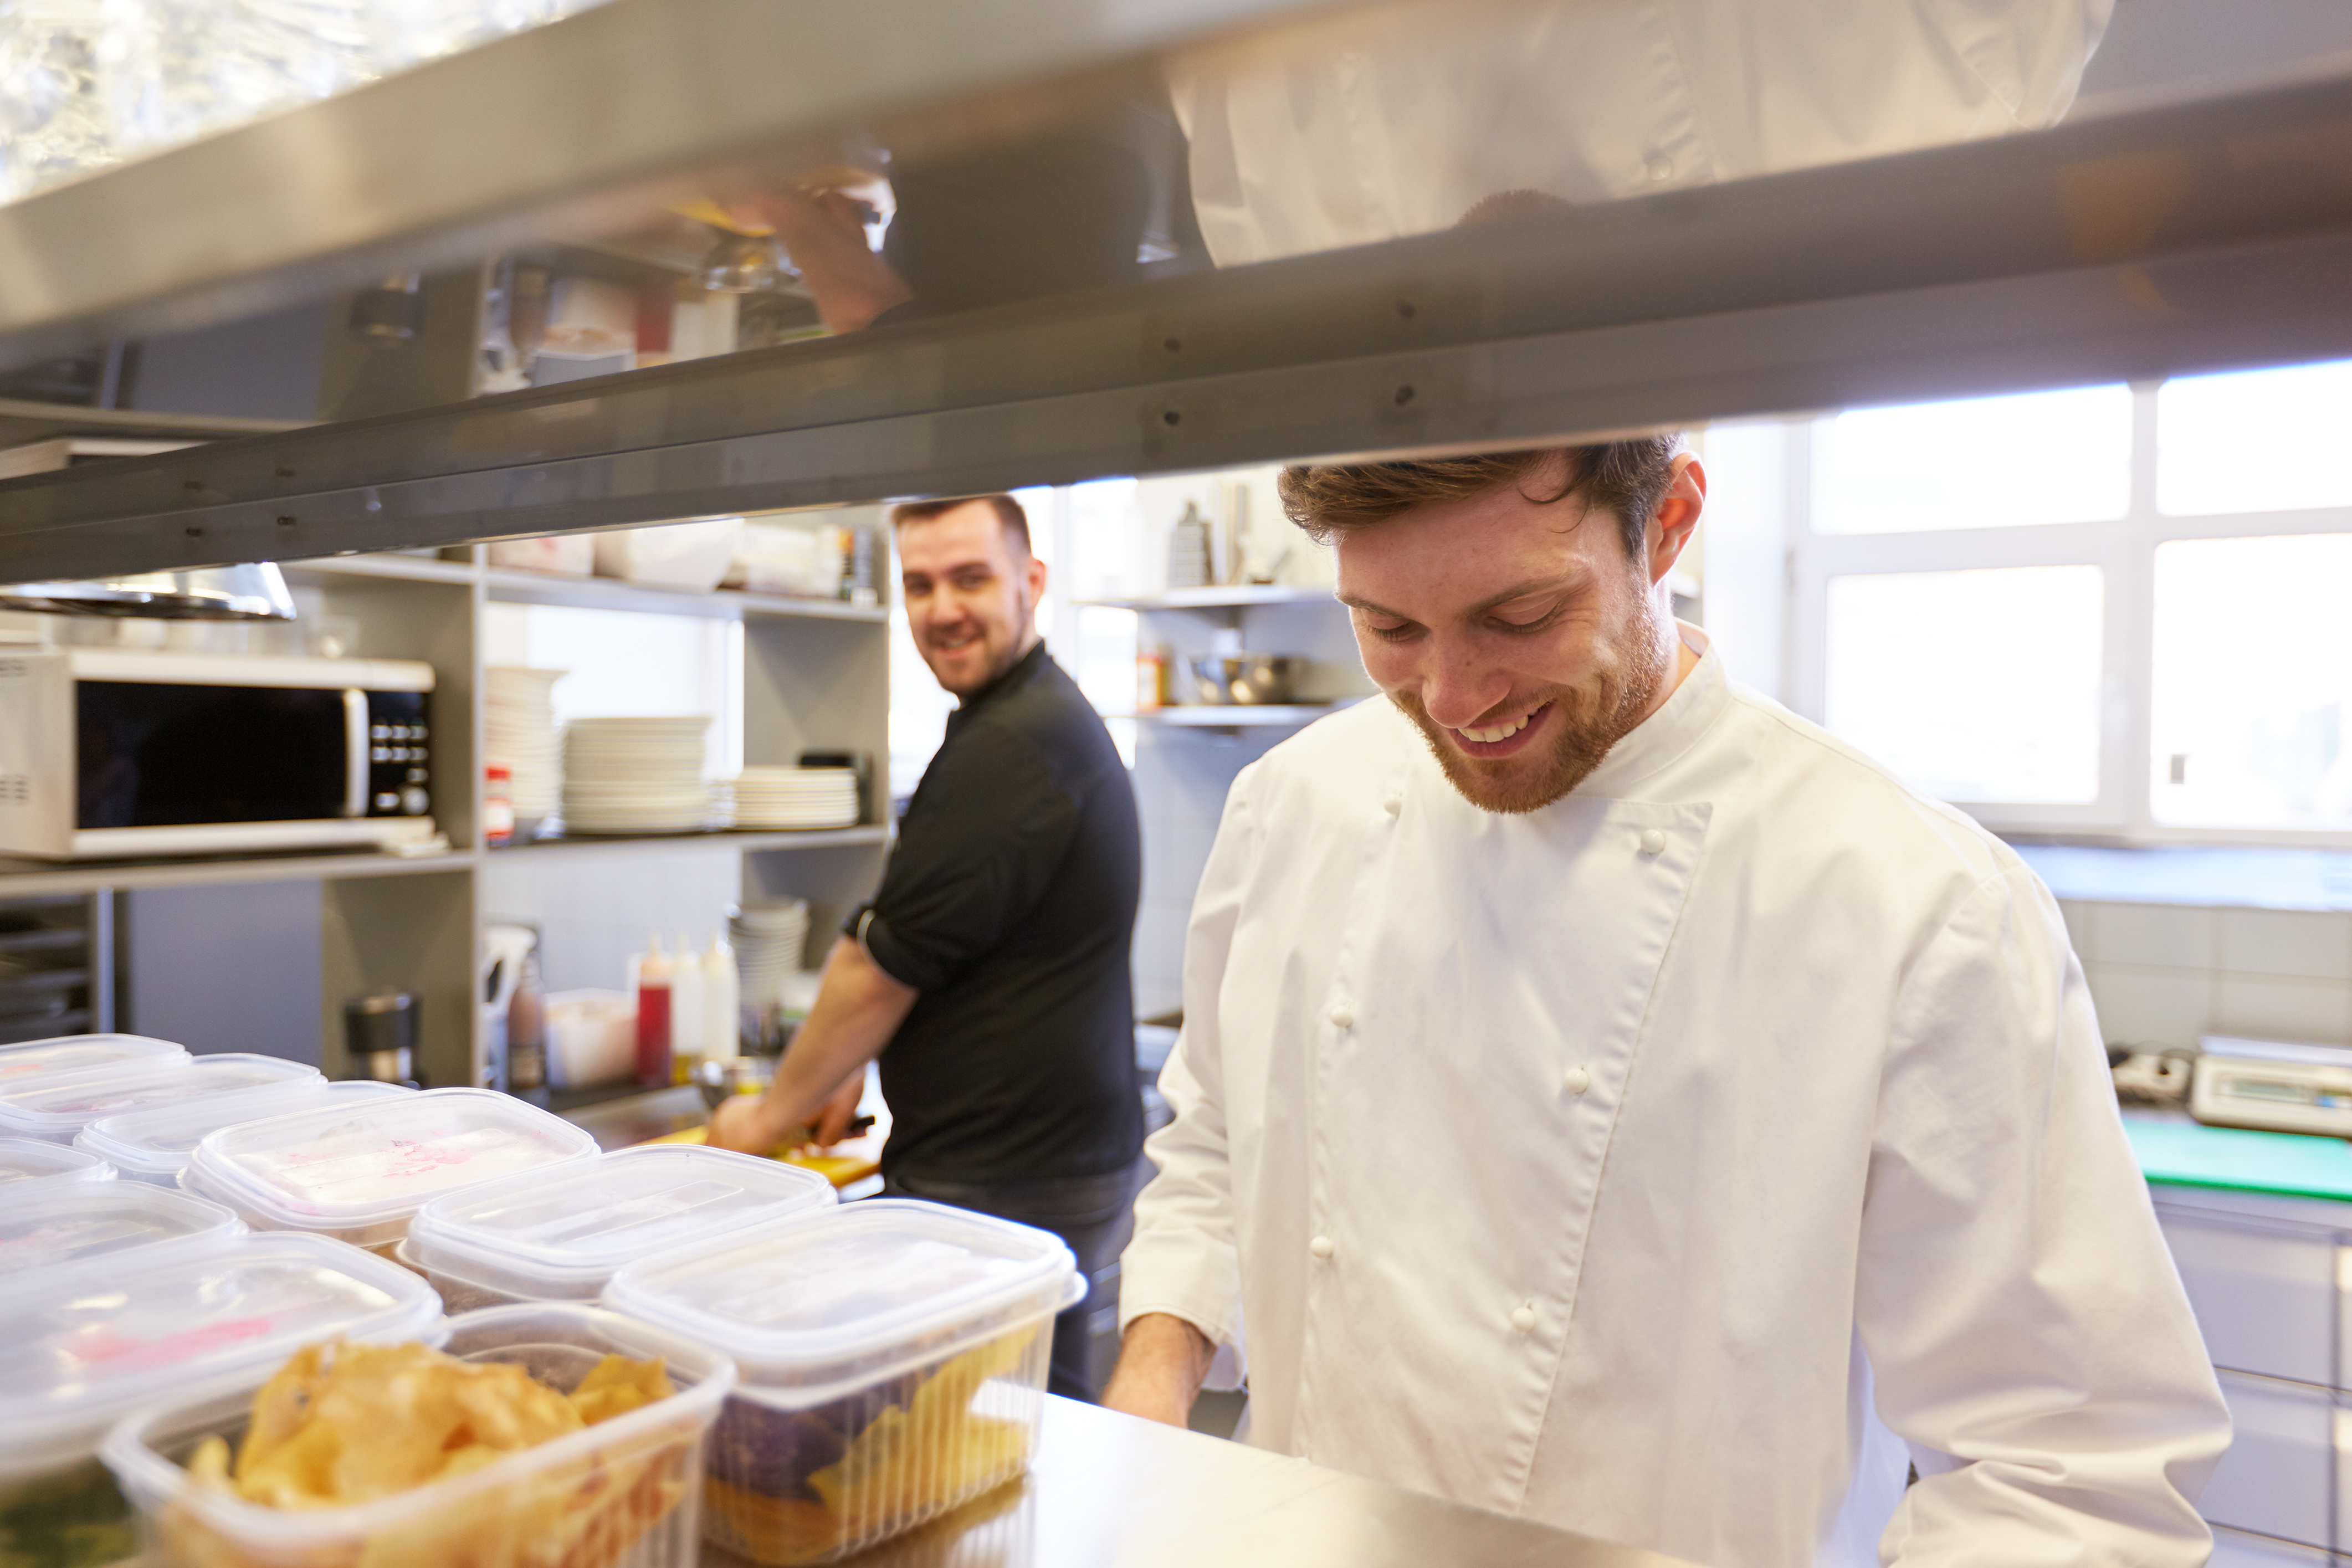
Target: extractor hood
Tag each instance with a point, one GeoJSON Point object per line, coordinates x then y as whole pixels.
{"type": "Point", "coordinates": [253, 592]}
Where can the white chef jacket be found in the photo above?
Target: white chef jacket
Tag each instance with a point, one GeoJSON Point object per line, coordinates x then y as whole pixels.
{"type": "Point", "coordinates": [1674, 1163]}
{"type": "Point", "coordinates": [1392, 121]}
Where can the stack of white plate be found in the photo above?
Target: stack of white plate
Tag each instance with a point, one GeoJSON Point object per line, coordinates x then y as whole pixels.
{"type": "Point", "coordinates": [796, 797]}
{"type": "Point", "coordinates": [769, 939]}
{"type": "Point", "coordinates": [519, 735]}
{"type": "Point", "coordinates": [634, 776]}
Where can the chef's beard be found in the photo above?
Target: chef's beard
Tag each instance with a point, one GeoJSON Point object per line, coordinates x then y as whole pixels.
{"type": "Point", "coordinates": [1584, 725]}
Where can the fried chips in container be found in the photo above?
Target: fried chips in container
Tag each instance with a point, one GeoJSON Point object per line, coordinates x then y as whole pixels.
{"type": "Point", "coordinates": [551, 1436]}
{"type": "Point", "coordinates": [892, 1361]}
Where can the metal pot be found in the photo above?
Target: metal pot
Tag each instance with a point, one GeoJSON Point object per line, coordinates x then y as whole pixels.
{"type": "Point", "coordinates": [1246, 679]}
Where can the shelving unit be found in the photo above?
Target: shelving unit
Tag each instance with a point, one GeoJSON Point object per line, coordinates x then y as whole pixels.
{"type": "Point", "coordinates": [816, 675]}
{"type": "Point", "coordinates": [1204, 716]}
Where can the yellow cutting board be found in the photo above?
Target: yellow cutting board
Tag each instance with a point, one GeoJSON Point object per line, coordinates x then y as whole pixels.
{"type": "Point", "coordinates": [839, 1169]}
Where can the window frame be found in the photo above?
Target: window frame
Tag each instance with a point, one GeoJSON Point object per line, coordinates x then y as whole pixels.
{"type": "Point", "coordinates": [2124, 551]}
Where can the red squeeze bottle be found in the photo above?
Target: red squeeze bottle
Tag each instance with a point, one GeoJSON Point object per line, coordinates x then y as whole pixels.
{"type": "Point", "coordinates": [653, 1019]}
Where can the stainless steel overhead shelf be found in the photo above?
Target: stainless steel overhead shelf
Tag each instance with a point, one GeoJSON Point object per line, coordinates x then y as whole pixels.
{"type": "Point", "coordinates": [2191, 238]}
{"type": "Point", "coordinates": [568, 132]}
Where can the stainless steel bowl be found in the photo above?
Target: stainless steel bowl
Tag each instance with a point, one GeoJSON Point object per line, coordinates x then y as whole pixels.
{"type": "Point", "coordinates": [740, 1075]}
{"type": "Point", "coordinates": [1246, 679]}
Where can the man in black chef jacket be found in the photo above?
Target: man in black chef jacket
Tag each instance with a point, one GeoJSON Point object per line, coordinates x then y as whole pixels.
{"type": "Point", "coordinates": [990, 973]}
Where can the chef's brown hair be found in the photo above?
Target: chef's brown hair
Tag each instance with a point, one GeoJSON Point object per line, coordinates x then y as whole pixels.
{"type": "Point", "coordinates": [1625, 478]}
{"type": "Point", "coordinates": [1008, 512]}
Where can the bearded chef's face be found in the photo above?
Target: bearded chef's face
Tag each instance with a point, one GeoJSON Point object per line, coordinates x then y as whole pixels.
{"type": "Point", "coordinates": [971, 592]}
{"type": "Point", "coordinates": [1516, 633]}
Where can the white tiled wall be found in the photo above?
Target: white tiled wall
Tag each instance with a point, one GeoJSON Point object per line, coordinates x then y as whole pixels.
{"type": "Point", "coordinates": [2167, 974]}
{"type": "Point", "coordinates": [1180, 780]}
{"type": "Point", "coordinates": [594, 910]}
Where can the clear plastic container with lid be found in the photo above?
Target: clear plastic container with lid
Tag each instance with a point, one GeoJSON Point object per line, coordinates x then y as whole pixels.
{"type": "Point", "coordinates": [73, 1222]}
{"type": "Point", "coordinates": [28, 1166]}
{"type": "Point", "coordinates": [890, 1361]}
{"type": "Point", "coordinates": [84, 1345]}
{"type": "Point", "coordinates": [558, 1236]}
{"type": "Point", "coordinates": [153, 1144]}
{"type": "Point", "coordinates": [623, 1492]}
{"type": "Point", "coordinates": [80, 1054]}
{"type": "Point", "coordinates": [57, 1110]}
{"type": "Point", "coordinates": [359, 1173]}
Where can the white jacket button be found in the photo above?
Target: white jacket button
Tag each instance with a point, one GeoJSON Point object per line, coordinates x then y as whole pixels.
{"type": "Point", "coordinates": [1577, 1080]}
{"type": "Point", "coordinates": [1395, 803]}
{"type": "Point", "coordinates": [1524, 1319]}
{"type": "Point", "coordinates": [1343, 1016]}
{"type": "Point", "coordinates": [1321, 1246]}
{"type": "Point", "coordinates": [1653, 842]}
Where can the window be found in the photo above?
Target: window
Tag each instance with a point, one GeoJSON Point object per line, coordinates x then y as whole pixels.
{"type": "Point", "coordinates": [2110, 609]}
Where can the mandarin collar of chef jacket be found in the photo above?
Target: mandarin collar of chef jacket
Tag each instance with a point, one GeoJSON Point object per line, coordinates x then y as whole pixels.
{"type": "Point", "coordinates": [1653, 744]}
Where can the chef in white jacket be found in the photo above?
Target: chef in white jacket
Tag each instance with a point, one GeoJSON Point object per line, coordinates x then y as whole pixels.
{"type": "Point", "coordinates": [1605, 1097]}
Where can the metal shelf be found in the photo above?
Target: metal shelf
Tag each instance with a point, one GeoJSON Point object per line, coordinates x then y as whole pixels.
{"type": "Point", "coordinates": [23, 422]}
{"type": "Point", "coordinates": [1240, 717]}
{"type": "Point", "coordinates": [26, 878]}
{"type": "Point", "coordinates": [516, 585]}
{"type": "Point", "coordinates": [751, 841]}
{"type": "Point", "coordinates": [1233, 597]}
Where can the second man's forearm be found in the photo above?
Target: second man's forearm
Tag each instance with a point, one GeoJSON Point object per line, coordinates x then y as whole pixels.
{"type": "Point", "coordinates": [1162, 1361]}
{"type": "Point", "coordinates": [858, 1008]}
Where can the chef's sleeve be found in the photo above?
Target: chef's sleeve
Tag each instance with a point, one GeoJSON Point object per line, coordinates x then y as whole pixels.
{"type": "Point", "coordinates": [1183, 1260]}
{"type": "Point", "coordinates": [970, 866]}
{"type": "Point", "coordinates": [2027, 1333]}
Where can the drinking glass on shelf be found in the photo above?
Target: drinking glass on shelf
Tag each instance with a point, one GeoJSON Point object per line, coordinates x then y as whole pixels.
{"type": "Point", "coordinates": [53, 119]}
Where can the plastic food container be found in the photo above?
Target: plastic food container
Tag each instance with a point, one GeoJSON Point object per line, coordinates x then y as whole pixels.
{"type": "Point", "coordinates": [154, 1145]}
{"type": "Point", "coordinates": [28, 1166]}
{"type": "Point", "coordinates": [83, 1345]}
{"type": "Point", "coordinates": [558, 1236]}
{"type": "Point", "coordinates": [57, 1110]}
{"type": "Point", "coordinates": [358, 1173]}
{"type": "Point", "coordinates": [622, 1493]}
{"type": "Point", "coordinates": [72, 1222]}
{"type": "Point", "coordinates": [82, 1053]}
{"type": "Point", "coordinates": [890, 1359]}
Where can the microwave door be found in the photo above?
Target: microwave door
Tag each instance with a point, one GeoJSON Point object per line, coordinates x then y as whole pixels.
{"type": "Point", "coordinates": [156, 754]}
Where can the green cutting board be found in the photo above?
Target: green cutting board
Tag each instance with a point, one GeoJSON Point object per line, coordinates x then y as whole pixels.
{"type": "Point", "coordinates": [2294, 1164]}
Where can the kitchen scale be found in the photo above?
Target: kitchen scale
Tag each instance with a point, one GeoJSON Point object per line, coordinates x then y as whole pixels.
{"type": "Point", "coordinates": [2274, 1087]}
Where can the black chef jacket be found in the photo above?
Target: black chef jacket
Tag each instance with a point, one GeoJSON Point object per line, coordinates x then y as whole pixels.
{"type": "Point", "coordinates": [1009, 903]}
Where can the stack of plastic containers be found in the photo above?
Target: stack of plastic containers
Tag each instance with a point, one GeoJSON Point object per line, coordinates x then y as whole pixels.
{"type": "Point", "coordinates": [28, 1166]}
{"type": "Point", "coordinates": [621, 1493]}
{"type": "Point", "coordinates": [154, 1145]}
{"type": "Point", "coordinates": [82, 1053]}
{"type": "Point", "coordinates": [56, 1107]}
{"type": "Point", "coordinates": [890, 1362]}
{"type": "Point", "coordinates": [558, 1235]}
{"type": "Point", "coordinates": [83, 1345]}
{"type": "Point", "coordinates": [77, 1222]}
{"type": "Point", "coordinates": [359, 1173]}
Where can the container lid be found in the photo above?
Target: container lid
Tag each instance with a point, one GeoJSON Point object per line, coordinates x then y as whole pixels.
{"type": "Point", "coordinates": [57, 1110]}
{"type": "Point", "coordinates": [81, 1053]}
{"type": "Point", "coordinates": [153, 1144]}
{"type": "Point", "coordinates": [68, 1222]}
{"type": "Point", "coordinates": [810, 1304]}
{"type": "Point", "coordinates": [558, 1235]}
{"type": "Point", "coordinates": [81, 1345]}
{"type": "Point", "coordinates": [24, 1161]}
{"type": "Point", "coordinates": [347, 1167]}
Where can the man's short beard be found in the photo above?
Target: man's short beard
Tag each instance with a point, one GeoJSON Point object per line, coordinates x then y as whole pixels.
{"type": "Point", "coordinates": [1585, 726]}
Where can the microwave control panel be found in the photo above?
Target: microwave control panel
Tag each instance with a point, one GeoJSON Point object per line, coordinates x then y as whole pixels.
{"type": "Point", "coordinates": [398, 754]}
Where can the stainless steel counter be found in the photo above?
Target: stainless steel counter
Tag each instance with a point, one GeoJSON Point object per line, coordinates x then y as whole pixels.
{"type": "Point", "coordinates": [1110, 1491]}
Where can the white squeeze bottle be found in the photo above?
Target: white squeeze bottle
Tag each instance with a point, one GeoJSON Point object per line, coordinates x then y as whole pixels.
{"type": "Point", "coordinates": [685, 1012]}
{"type": "Point", "coordinates": [720, 1001]}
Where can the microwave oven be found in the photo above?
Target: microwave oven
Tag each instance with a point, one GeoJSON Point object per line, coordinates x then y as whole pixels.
{"type": "Point", "coordinates": [114, 751]}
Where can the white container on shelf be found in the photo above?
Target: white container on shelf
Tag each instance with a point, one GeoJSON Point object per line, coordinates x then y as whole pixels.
{"type": "Point", "coordinates": [84, 1345]}
{"type": "Point", "coordinates": [622, 1491]}
{"type": "Point", "coordinates": [29, 1165]}
{"type": "Point", "coordinates": [57, 1110]}
{"type": "Point", "coordinates": [358, 1173]}
{"type": "Point", "coordinates": [77, 1222]}
{"type": "Point", "coordinates": [154, 1145]}
{"type": "Point", "coordinates": [671, 555]}
{"type": "Point", "coordinates": [592, 1037]}
{"type": "Point", "coordinates": [54, 1059]}
{"type": "Point", "coordinates": [560, 1235]}
{"type": "Point", "coordinates": [573, 552]}
{"type": "Point", "coordinates": [891, 1361]}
